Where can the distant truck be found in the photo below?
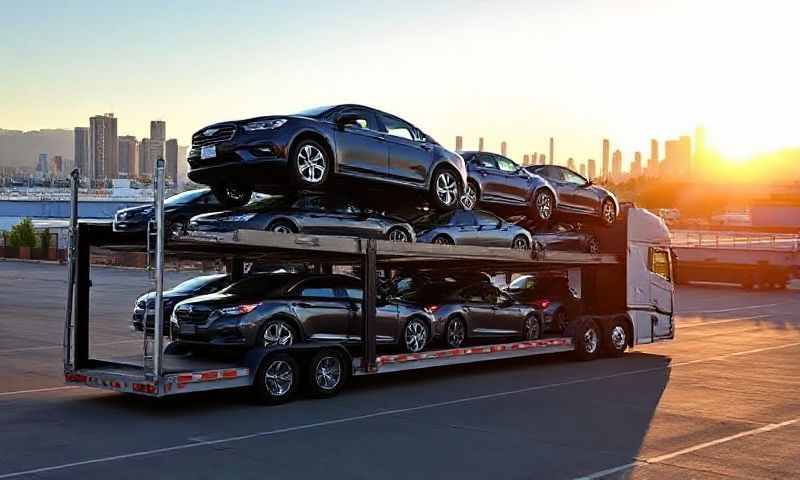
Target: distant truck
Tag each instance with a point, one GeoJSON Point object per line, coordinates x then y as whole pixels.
{"type": "Point", "coordinates": [750, 268]}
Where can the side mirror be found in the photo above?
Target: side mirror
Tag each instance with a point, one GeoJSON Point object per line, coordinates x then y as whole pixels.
{"type": "Point", "coordinates": [588, 183]}
{"type": "Point", "coordinates": [346, 119]}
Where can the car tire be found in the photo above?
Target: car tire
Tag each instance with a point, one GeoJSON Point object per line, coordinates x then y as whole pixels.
{"type": "Point", "coordinates": [443, 240]}
{"type": "Point", "coordinates": [588, 340]}
{"type": "Point", "coordinates": [593, 245]}
{"type": "Point", "coordinates": [277, 379]}
{"type": "Point", "coordinates": [521, 242]}
{"type": "Point", "coordinates": [446, 189]}
{"type": "Point", "coordinates": [469, 200]}
{"type": "Point", "coordinates": [176, 229]}
{"type": "Point", "coordinates": [415, 335]}
{"type": "Point", "coordinates": [455, 332]}
{"type": "Point", "coordinates": [608, 212]}
{"type": "Point", "coordinates": [232, 195]}
{"type": "Point", "coordinates": [615, 340]}
{"type": "Point", "coordinates": [277, 332]}
{"type": "Point", "coordinates": [281, 226]}
{"type": "Point", "coordinates": [531, 328]}
{"type": "Point", "coordinates": [310, 164]}
{"type": "Point", "coordinates": [560, 320]}
{"type": "Point", "coordinates": [398, 234]}
{"type": "Point", "coordinates": [544, 205]}
{"type": "Point", "coordinates": [328, 373]}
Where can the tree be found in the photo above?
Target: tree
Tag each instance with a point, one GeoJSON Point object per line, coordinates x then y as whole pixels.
{"type": "Point", "coordinates": [22, 234]}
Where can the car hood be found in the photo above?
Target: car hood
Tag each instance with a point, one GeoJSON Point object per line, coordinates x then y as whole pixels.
{"type": "Point", "coordinates": [135, 212]}
{"type": "Point", "coordinates": [219, 300]}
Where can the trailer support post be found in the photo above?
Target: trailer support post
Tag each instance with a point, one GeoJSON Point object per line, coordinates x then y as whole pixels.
{"type": "Point", "coordinates": [158, 328]}
{"type": "Point", "coordinates": [71, 264]}
{"type": "Point", "coordinates": [83, 283]}
{"type": "Point", "coordinates": [369, 271]}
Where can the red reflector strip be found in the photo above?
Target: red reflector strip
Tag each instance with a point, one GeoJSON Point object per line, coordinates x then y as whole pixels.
{"type": "Point", "coordinates": [76, 378]}
{"type": "Point", "coordinates": [211, 375]}
{"type": "Point", "coordinates": [148, 388]}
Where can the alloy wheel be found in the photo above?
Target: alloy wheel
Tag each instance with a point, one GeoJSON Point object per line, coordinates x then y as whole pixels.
{"type": "Point", "coordinates": [544, 205]}
{"type": "Point", "coordinates": [470, 197]}
{"type": "Point", "coordinates": [446, 188]}
{"type": "Point", "coordinates": [609, 212]}
{"type": "Point", "coordinates": [328, 372]}
{"type": "Point", "coordinates": [590, 340]}
{"type": "Point", "coordinates": [594, 245]}
{"type": "Point", "coordinates": [416, 336]}
{"type": "Point", "coordinates": [311, 164]}
{"type": "Point", "coordinates": [618, 337]}
{"type": "Point", "coordinates": [532, 329]}
{"type": "Point", "coordinates": [278, 333]}
{"type": "Point", "coordinates": [399, 235]}
{"type": "Point", "coordinates": [279, 377]}
{"type": "Point", "coordinates": [281, 228]}
{"type": "Point", "coordinates": [456, 332]}
{"type": "Point", "coordinates": [442, 240]}
{"type": "Point", "coordinates": [520, 243]}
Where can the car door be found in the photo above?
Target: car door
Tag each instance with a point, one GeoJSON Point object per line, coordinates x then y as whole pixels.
{"type": "Point", "coordinates": [485, 168]}
{"type": "Point", "coordinates": [580, 195]}
{"type": "Point", "coordinates": [387, 326]}
{"type": "Point", "coordinates": [410, 155]}
{"type": "Point", "coordinates": [507, 315]}
{"type": "Point", "coordinates": [516, 183]}
{"type": "Point", "coordinates": [661, 291]}
{"type": "Point", "coordinates": [316, 216]}
{"type": "Point", "coordinates": [492, 231]}
{"type": "Point", "coordinates": [479, 311]}
{"type": "Point", "coordinates": [361, 145]}
{"type": "Point", "coordinates": [323, 314]}
{"type": "Point", "coordinates": [464, 228]}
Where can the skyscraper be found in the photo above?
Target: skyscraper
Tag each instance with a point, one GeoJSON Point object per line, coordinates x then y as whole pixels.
{"type": "Point", "coordinates": [542, 158]}
{"type": "Point", "coordinates": [591, 168]}
{"type": "Point", "coordinates": [42, 165]}
{"type": "Point", "coordinates": [525, 159]}
{"type": "Point", "coordinates": [82, 150]}
{"type": "Point", "coordinates": [128, 156]}
{"type": "Point", "coordinates": [171, 159]}
{"type": "Point", "coordinates": [158, 137]}
{"type": "Point", "coordinates": [480, 144]}
{"type": "Point", "coordinates": [57, 165]}
{"type": "Point", "coordinates": [503, 149]}
{"type": "Point", "coordinates": [616, 166]}
{"type": "Point", "coordinates": [552, 157]}
{"type": "Point", "coordinates": [582, 169]}
{"type": "Point", "coordinates": [677, 156]}
{"type": "Point", "coordinates": [535, 160]}
{"type": "Point", "coordinates": [571, 164]}
{"type": "Point", "coordinates": [606, 150]}
{"type": "Point", "coordinates": [459, 143]}
{"type": "Point", "coordinates": [145, 167]}
{"type": "Point", "coordinates": [182, 165]}
{"type": "Point", "coordinates": [652, 162]}
{"type": "Point", "coordinates": [103, 147]}
{"type": "Point", "coordinates": [636, 166]}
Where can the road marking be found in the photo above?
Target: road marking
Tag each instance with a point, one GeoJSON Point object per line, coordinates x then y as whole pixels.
{"type": "Point", "coordinates": [715, 322]}
{"type": "Point", "coordinates": [38, 390]}
{"type": "Point", "coordinates": [53, 347]}
{"type": "Point", "coordinates": [669, 456]}
{"type": "Point", "coordinates": [732, 309]}
{"type": "Point", "coordinates": [383, 413]}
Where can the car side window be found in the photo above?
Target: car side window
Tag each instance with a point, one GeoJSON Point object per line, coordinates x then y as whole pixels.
{"type": "Point", "coordinates": [484, 219]}
{"type": "Point", "coordinates": [486, 160]}
{"type": "Point", "coordinates": [506, 165]}
{"type": "Point", "coordinates": [491, 294]}
{"type": "Point", "coordinates": [553, 173]}
{"type": "Point", "coordinates": [365, 119]}
{"type": "Point", "coordinates": [572, 177]}
{"type": "Point", "coordinates": [463, 219]}
{"type": "Point", "coordinates": [317, 287]}
{"type": "Point", "coordinates": [354, 293]}
{"type": "Point", "coordinates": [397, 128]}
{"type": "Point", "coordinates": [473, 294]}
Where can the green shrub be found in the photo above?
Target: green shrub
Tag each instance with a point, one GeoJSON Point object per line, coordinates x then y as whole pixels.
{"type": "Point", "coordinates": [22, 234]}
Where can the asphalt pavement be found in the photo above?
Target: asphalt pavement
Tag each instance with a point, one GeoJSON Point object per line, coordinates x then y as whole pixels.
{"type": "Point", "coordinates": [720, 401]}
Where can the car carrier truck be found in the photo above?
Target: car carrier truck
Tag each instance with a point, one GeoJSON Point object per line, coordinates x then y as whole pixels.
{"type": "Point", "coordinates": [627, 296]}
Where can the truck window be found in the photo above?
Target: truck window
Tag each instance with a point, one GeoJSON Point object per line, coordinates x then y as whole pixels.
{"type": "Point", "coordinates": [659, 263]}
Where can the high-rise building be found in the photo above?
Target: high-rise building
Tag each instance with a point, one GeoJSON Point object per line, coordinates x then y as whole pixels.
{"type": "Point", "coordinates": [535, 159]}
{"type": "Point", "coordinates": [480, 144]}
{"type": "Point", "coordinates": [552, 154]}
{"type": "Point", "coordinates": [128, 156]}
{"type": "Point", "coordinates": [81, 153]}
{"type": "Point", "coordinates": [526, 159]}
{"type": "Point", "coordinates": [591, 168]}
{"type": "Point", "coordinates": [652, 162]}
{"type": "Point", "coordinates": [542, 159]}
{"type": "Point", "coordinates": [145, 167]}
{"type": "Point", "coordinates": [182, 165]}
{"type": "Point", "coordinates": [103, 147]}
{"type": "Point", "coordinates": [503, 149]}
{"type": "Point", "coordinates": [42, 166]}
{"type": "Point", "coordinates": [571, 164]}
{"type": "Point", "coordinates": [57, 165]}
{"type": "Point", "coordinates": [459, 143]}
{"type": "Point", "coordinates": [636, 166]}
{"type": "Point", "coordinates": [158, 138]}
{"type": "Point", "coordinates": [677, 156]}
{"type": "Point", "coordinates": [616, 166]}
{"type": "Point", "coordinates": [606, 151]}
{"type": "Point", "coordinates": [171, 159]}
{"type": "Point", "coordinates": [582, 169]}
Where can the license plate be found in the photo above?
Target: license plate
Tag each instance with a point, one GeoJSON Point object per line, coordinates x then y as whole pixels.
{"type": "Point", "coordinates": [209, 151]}
{"type": "Point", "coordinates": [188, 329]}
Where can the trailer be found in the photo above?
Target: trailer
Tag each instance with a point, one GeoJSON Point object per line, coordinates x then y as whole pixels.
{"type": "Point", "coordinates": [627, 295]}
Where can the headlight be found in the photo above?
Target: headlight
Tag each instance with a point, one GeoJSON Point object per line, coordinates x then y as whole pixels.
{"type": "Point", "coordinates": [264, 125]}
{"type": "Point", "coordinates": [122, 215]}
{"type": "Point", "coordinates": [239, 218]}
{"type": "Point", "coordinates": [238, 310]}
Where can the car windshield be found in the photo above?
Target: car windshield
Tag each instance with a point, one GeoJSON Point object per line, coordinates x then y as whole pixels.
{"type": "Point", "coordinates": [523, 283]}
{"type": "Point", "coordinates": [186, 197]}
{"type": "Point", "coordinates": [258, 284]}
{"type": "Point", "coordinates": [434, 220]}
{"type": "Point", "coordinates": [268, 203]}
{"type": "Point", "coordinates": [314, 112]}
{"type": "Point", "coordinates": [196, 283]}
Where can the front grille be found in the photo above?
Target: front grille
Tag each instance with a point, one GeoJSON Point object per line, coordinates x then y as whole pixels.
{"type": "Point", "coordinates": [197, 315]}
{"type": "Point", "coordinates": [222, 134]}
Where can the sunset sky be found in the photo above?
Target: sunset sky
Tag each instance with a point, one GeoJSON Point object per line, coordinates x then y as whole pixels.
{"type": "Point", "coordinates": [520, 71]}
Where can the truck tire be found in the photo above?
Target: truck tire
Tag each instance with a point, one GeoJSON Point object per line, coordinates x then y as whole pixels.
{"type": "Point", "coordinates": [276, 380]}
{"type": "Point", "coordinates": [328, 373]}
{"type": "Point", "coordinates": [587, 339]}
{"type": "Point", "coordinates": [615, 338]}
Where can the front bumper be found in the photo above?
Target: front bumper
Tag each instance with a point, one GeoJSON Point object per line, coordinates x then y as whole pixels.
{"type": "Point", "coordinates": [246, 158]}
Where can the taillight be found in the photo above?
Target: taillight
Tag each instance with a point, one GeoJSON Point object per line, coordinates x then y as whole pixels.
{"type": "Point", "coordinates": [541, 304]}
{"type": "Point", "coordinates": [432, 308]}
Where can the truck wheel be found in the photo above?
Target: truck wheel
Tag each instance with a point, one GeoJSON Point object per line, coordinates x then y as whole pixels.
{"type": "Point", "coordinates": [587, 340]}
{"type": "Point", "coordinates": [327, 373]}
{"type": "Point", "coordinates": [276, 379]}
{"type": "Point", "coordinates": [616, 339]}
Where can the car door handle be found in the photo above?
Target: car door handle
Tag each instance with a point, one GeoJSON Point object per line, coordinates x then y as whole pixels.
{"type": "Point", "coordinates": [302, 305]}
{"type": "Point", "coordinates": [426, 147]}
{"type": "Point", "coordinates": [381, 138]}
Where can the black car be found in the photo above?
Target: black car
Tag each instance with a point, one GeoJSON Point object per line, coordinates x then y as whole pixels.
{"type": "Point", "coordinates": [321, 215]}
{"type": "Point", "coordinates": [496, 182]}
{"type": "Point", "coordinates": [471, 227]}
{"type": "Point", "coordinates": [178, 209]}
{"type": "Point", "coordinates": [549, 294]}
{"type": "Point", "coordinates": [565, 236]}
{"type": "Point", "coordinates": [190, 288]}
{"type": "Point", "coordinates": [305, 150]}
{"type": "Point", "coordinates": [578, 196]}
{"type": "Point", "coordinates": [469, 308]}
{"type": "Point", "coordinates": [285, 308]}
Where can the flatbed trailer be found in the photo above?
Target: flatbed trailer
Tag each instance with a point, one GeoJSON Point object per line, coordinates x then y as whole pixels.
{"type": "Point", "coordinates": [166, 368]}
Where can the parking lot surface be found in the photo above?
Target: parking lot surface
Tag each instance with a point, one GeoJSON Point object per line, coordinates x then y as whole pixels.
{"type": "Point", "coordinates": [721, 401]}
